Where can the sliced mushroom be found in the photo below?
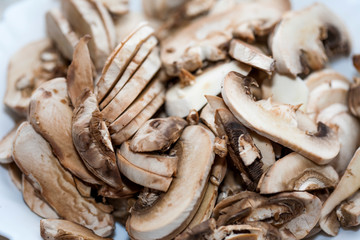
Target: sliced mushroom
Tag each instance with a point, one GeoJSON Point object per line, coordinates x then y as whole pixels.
{"type": "Point", "coordinates": [34, 202]}
{"type": "Point", "coordinates": [92, 141]}
{"type": "Point", "coordinates": [204, 39]}
{"type": "Point", "coordinates": [354, 99]}
{"type": "Point", "coordinates": [347, 186]}
{"type": "Point", "coordinates": [50, 104]}
{"type": "Point", "coordinates": [282, 127]}
{"type": "Point", "coordinates": [296, 173]}
{"type": "Point", "coordinates": [207, 116]}
{"type": "Point", "coordinates": [266, 150]}
{"type": "Point", "coordinates": [163, 220]}
{"type": "Point", "coordinates": [116, 7]}
{"type": "Point", "coordinates": [83, 188]}
{"type": "Point", "coordinates": [119, 59]}
{"type": "Point", "coordinates": [52, 229]}
{"type": "Point", "coordinates": [251, 55]}
{"type": "Point", "coordinates": [134, 87]}
{"type": "Point", "coordinates": [142, 176]}
{"type": "Point", "coordinates": [6, 145]}
{"type": "Point", "coordinates": [348, 211]}
{"type": "Point", "coordinates": [324, 76]}
{"type": "Point", "coordinates": [15, 174]}
{"type": "Point", "coordinates": [305, 39]}
{"type": "Point", "coordinates": [120, 136]}
{"type": "Point", "coordinates": [179, 101]}
{"type": "Point", "coordinates": [157, 134]}
{"type": "Point", "coordinates": [199, 231]}
{"type": "Point", "coordinates": [33, 154]}
{"type": "Point", "coordinates": [60, 31]}
{"type": "Point", "coordinates": [337, 116]}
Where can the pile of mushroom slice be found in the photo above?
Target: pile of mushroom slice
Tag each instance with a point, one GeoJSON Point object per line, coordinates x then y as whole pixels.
{"type": "Point", "coordinates": [207, 126]}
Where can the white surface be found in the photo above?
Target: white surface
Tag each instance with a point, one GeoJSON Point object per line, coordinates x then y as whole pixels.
{"type": "Point", "coordinates": [23, 22]}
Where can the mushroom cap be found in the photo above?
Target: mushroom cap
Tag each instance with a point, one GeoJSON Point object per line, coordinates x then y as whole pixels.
{"type": "Point", "coordinates": [305, 38]}
{"type": "Point", "coordinates": [267, 121]}
{"type": "Point", "coordinates": [296, 173]}
{"type": "Point", "coordinates": [163, 220]}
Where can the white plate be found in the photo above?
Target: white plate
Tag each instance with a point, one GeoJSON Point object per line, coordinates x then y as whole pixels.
{"type": "Point", "coordinates": [23, 22]}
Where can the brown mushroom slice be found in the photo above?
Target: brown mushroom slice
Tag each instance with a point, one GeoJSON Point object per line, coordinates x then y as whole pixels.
{"type": "Point", "coordinates": [20, 76]}
{"type": "Point", "coordinates": [337, 116]}
{"type": "Point", "coordinates": [320, 147]}
{"type": "Point", "coordinates": [60, 31]}
{"type": "Point", "coordinates": [141, 176]}
{"type": "Point", "coordinates": [354, 99]}
{"type": "Point", "coordinates": [207, 116]}
{"type": "Point", "coordinates": [120, 136]}
{"type": "Point", "coordinates": [135, 63]}
{"type": "Point", "coordinates": [163, 220]}
{"type": "Point", "coordinates": [33, 154]}
{"type": "Point", "coordinates": [83, 189]}
{"type": "Point", "coordinates": [133, 88]}
{"type": "Point", "coordinates": [50, 104]}
{"type": "Point", "coordinates": [203, 40]}
{"type": "Point", "coordinates": [34, 202]}
{"type": "Point", "coordinates": [296, 173]}
{"type": "Point", "coordinates": [180, 100]}
{"type": "Point", "coordinates": [116, 7]}
{"type": "Point", "coordinates": [6, 146]}
{"type": "Point", "coordinates": [347, 186]}
{"type": "Point", "coordinates": [348, 212]}
{"type": "Point", "coordinates": [92, 141]}
{"type": "Point", "coordinates": [324, 76]}
{"type": "Point", "coordinates": [80, 75]}
{"type": "Point", "coordinates": [119, 59]}
{"type": "Point", "coordinates": [52, 229]}
{"type": "Point", "coordinates": [153, 89]}
{"type": "Point", "coordinates": [163, 165]}
{"type": "Point", "coordinates": [15, 175]}
{"type": "Point", "coordinates": [305, 39]}
{"type": "Point", "coordinates": [85, 19]}
{"type": "Point", "coordinates": [158, 134]}
{"type": "Point", "coordinates": [266, 150]}
{"type": "Point", "coordinates": [251, 55]}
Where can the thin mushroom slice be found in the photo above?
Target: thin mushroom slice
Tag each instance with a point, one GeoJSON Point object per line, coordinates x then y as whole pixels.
{"type": "Point", "coordinates": [251, 55]}
{"type": "Point", "coordinates": [34, 202]}
{"type": "Point", "coordinates": [83, 188]}
{"type": "Point", "coordinates": [164, 165]}
{"type": "Point", "coordinates": [52, 229]}
{"type": "Point", "coordinates": [142, 176]}
{"type": "Point", "coordinates": [324, 76]}
{"type": "Point", "coordinates": [116, 7]}
{"type": "Point", "coordinates": [133, 88]}
{"type": "Point", "coordinates": [92, 141]}
{"type": "Point", "coordinates": [354, 99]}
{"type": "Point", "coordinates": [158, 134]}
{"type": "Point", "coordinates": [180, 100]}
{"type": "Point", "coordinates": [296, 173]}
{"type": "Point", "coordinates": [33, 154]}
{"type": "Point", "coordinates": [203, 40]}
{"type": "Point", "coordinates": [15, 175]}
{"type": "Point", "coordinates": [281, 127]}
{"type": "Point", "coordinates": [163, 220]}
{"type": "Point", "coordinates": [60, 31]}
{"type": "Point", "coordinates": [347, 186]}
{"type": "Point", "coordinates": [119, 59]}
{"type": "Point", "coordinates": [348, 212]}
{"type": "Point", "coordinates": [266, 150]}
{"type": "Point", "coordinates": [120, 136]}
{"type": "Point", "coordinates": [6, 146]}
{"type": "Point", "coordinates": [305, 39]}
{"type": "Point", "coordinates": [50, 104]}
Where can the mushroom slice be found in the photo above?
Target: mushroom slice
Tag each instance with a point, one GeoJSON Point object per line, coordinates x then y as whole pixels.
{"type": "Point", "coordinates": [50, 104]}
{"type": "Point", "coordinates": [119, 59]}
{"type": "Point", "coordinates": [323, 76]}
{"type": "Point", "coordinates": [92, 141]}
{"type": "Point", "coordinates": [15, 174]}
{"type": "Point", "coordinates": [143, 100]}
{"type": "Point", "coordinates": [52, 229]}
{"type": "Point", "coordinates": [163, 165]}
{"type": "Point", "coordinates": [161, 9]}
{"type": "Point", "coordinates": [133, 88]}
{"type": "Point", "coordinates": [337, 116]}
{"type": "Point", "coordinates": [33, 154]}
{"type": "Point", "coordinates": [354, 99]}
{"type": "Point", "coordinates": [163, 220]}
{"type": "Point", "coordinates": [277, 123]}
{"type": "Point", "coordinates": [85, 19]}
{"type": "Point", "coordinates": [204, 39]}
{"type": "Point", "coordinates": [83, 189]}
{"type": "Point", "coordinates": [120, 136]}
{"type": "Point", "coordinates": [158, 134]}
{"type": "Point", "coordinates": [141, 176]}
{"type": "Point", "coordinates": [348, 212]}
{"type": "Point", "coordinates": [34, 202]}
{"type": "Point", "coordinates": [251, 55]}
{"type": "Point", "coordinates": [116, 7]}
{"type": "Point", "coordinates": [266, 150]}
{"type": "Point", "coordinates": [180, 100]}
{"type": "Point", "coordinates": [347, 186]}
{"type": "Point", "coordinates": [199, 231]}
{"type": "Point", "coordinates": [135, 63]}
{"type": "Point", "coordinates": [296, 173]}
{"type": "Point", "coordinates": [304, 39]}
{"type": "Point", "coordinates": [207, 116]}
{"type": "Point", "coordinates": [60, 31]}
{"type": "Point", "coordinates": [6, 146]}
